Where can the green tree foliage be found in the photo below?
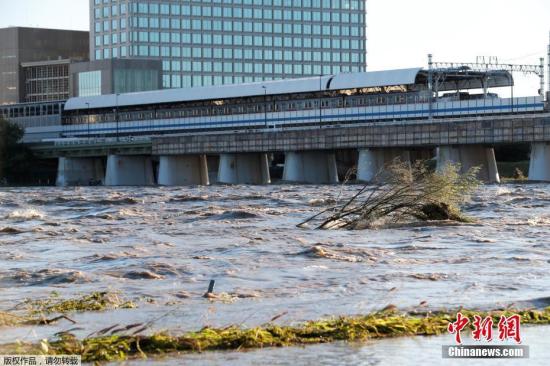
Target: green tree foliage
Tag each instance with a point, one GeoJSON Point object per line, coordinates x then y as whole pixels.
{"type": "Point", "coordinates": [15, 158]}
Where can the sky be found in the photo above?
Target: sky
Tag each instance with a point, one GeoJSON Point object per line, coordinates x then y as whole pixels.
{"type": "Point", "coordinates": [400, 33]}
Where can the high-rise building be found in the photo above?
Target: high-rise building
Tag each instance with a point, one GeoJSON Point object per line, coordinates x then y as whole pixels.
{"type": "Point", "coordinates": [29, 56]}
{"type": "Point", "coordinates": [213, 42]}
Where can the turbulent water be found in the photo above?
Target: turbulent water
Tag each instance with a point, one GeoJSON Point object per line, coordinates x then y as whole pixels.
{"type": "Point", "coordinates": [160, 247]}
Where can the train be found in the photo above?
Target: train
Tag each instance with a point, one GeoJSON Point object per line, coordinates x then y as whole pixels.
{"type": "Point", "coordinates": [308, 103]}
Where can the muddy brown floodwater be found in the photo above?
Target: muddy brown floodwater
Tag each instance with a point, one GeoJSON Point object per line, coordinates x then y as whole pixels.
{"type": "Point", "coordinates": [160, 247]}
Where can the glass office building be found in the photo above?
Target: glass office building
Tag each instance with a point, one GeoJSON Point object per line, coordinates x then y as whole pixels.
{"type": "Point", "coordinates": [214, 42]}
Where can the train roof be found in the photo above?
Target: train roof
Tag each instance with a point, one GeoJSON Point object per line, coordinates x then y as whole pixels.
{"type": "Point", "coordinates": [411, 76]}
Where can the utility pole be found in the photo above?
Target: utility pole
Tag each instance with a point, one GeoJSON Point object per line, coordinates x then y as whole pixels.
{"type": "Point", "coordinates": [265, 105]}
{"type": "Point", "coordinates": [320, 101]}
{"type": "Point", "coordinates": [430, 84]}
{"type": "Point", "coordinates": [548, 74]}
{"type": "Point", "coordinates": [88, 118]}
{"type": "Point", "coordinates": [541, 90]}
{"type": "Point", "coordinates": [116, 117]}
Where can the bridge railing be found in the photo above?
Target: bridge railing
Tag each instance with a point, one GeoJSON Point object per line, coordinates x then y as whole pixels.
{"type": "Point", "coordinates": [99, 141]}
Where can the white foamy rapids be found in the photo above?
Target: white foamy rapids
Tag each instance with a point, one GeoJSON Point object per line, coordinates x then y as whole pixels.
{"type": "Point", "coordinates": [25, 214]}
{"type": "Point", "coordinates": [503, 191]}
{"type": "Point", "coordinates": [539, 221]}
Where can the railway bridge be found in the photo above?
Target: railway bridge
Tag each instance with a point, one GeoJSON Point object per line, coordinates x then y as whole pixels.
{"type": "Point", "coordinates": [228, 134]}
{"type": "Point", "coordinates": [309, 153]}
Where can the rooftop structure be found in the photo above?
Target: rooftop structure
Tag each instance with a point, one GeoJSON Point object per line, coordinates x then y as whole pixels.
{"type": "Point", "coordinates": [115, 76]}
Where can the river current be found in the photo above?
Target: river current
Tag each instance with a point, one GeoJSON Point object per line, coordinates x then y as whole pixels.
{"type": "Point", "coordinates": [160, 247]}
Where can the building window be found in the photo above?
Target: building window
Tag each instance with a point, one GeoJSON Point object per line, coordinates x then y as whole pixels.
{"type": "Point", "coordinates": [89, 83]}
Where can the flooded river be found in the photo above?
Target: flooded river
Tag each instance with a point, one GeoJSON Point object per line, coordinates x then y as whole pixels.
{"type": "Point", "coordinates": [160, 247]}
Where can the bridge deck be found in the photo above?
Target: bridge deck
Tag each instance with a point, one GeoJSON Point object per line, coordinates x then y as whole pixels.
{"type": "Point", "coordinates": [490, 130]}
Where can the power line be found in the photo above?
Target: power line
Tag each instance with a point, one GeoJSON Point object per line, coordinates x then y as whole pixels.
{"type": "Point", "coordinates": [524, 56]}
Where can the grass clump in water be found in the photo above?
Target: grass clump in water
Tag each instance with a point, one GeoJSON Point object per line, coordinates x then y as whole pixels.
{"type": "Point", "coordinates": [385, 324]}
{"type": "Point", "coordinates": [96, 301]}
{"type": "Point", "coordinates": [36, 311]}
{"type": "Point", "coordinates": [10, 320]}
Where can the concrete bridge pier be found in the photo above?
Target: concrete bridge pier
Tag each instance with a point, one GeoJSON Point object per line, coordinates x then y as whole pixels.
{"type": "Point", "coordinates": [182, 170]}
{"type": "Point", "coordinates": [79, 172]}
{"type": "Point", "coordinates": [315, 167]}
{"type": "Point", "coordinates": [132, 170]}
{"type": "Point", "coordinates": [373, 161]}
{"type": "Point", "coordinates": [469, 156]}
{"type": "Point", "coordinates": [244, 169]}
{"type": "Point", "coordinates": [539, 165]}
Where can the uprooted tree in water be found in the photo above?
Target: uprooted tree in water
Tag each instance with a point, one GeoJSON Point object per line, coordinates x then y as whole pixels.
{"type": "Point", "coordinates": [402, 194]}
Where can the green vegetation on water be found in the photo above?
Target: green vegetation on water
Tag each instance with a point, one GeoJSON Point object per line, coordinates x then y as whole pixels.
{"type": "Point", "coordinates": [124, 343]}
{"type": "Point", "coordinates": [37, 310]}
{"type": "Point", "coordinates": [96, 301]}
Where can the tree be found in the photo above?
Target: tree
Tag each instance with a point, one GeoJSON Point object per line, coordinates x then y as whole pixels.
{"type": "Point", "coordinates": [15, 158]}
{"type": "Point", "coordinates": [401, 194]}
